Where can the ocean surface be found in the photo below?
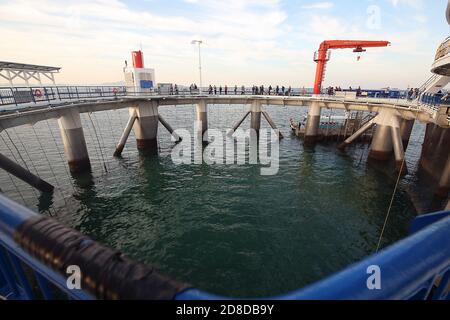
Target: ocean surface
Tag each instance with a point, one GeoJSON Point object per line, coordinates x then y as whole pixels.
{"type": "Point", "coordinates": [223, 228]}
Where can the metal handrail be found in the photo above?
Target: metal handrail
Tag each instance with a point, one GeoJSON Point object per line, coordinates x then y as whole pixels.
{"type": "Point", "coordinates": [443, 50]}
{"type": "Point", "coordinates": [21, 275]}
{"type": "Point", "coordinates": [402, 277]}
{"type": "Point", "coordinates": [53, 94]}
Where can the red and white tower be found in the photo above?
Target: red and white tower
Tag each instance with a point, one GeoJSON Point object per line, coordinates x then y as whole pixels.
{"type": "Point", "coordinates": [138, 78]}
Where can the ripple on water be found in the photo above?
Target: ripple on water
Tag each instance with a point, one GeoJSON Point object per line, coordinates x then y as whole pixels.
{"type": "Point", "coordinates": [225, 229]}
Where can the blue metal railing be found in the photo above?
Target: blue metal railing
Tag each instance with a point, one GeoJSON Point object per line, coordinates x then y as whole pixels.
{"type": "Point", "coordinates": [22, 277]}
{"type": "Point", "coordinates": [34, 95]}
{"type": "Point", "coordinates": [417, 267]}
{"type": "Point", "coordinates": [29, 96]}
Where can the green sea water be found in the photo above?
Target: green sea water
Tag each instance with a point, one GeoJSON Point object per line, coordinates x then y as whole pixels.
{"type": "Point", "coordinates": [223, 228]}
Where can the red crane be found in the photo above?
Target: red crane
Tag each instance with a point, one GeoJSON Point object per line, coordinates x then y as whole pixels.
{"type": "Point", "coordinates": [322, 56]}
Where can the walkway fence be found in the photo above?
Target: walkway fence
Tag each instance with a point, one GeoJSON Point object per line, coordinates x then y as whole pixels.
{"type": "Point", "coordinates": [30, 97]}
{"type": "Point", "coordinates": [417, 267]}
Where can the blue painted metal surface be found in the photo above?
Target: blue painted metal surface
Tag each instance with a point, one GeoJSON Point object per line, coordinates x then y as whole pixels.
{"type": "Point", "coordinates": [417, 267]}
{"type": "Point", "coordinates": [21, 275]}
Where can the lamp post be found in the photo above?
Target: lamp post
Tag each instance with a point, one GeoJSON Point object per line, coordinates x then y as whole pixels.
{"type": "Point", "coordinates": [199, 42]}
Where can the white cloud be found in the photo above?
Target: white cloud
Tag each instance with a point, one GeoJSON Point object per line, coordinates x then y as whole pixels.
{"type": "Point", "coordinates": [411, 3]}
{"type": "Point", "coordinates": [245, 40]}
{"type": "Point", "coordinates": [319, 5]}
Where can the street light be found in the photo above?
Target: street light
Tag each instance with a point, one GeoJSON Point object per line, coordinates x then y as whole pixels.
{"type": "Point", "coordinates": [199, 42]}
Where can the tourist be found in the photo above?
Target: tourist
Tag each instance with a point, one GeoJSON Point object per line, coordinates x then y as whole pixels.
{"type": "Point", "coordinates": [220, 90]}
{"type": "Point", "coordinates": [277, 90]}
{"type": "Point", "coordinates": [226, 89]}
{"type": "Point", "coordinates": [210, 90]}
{"type": "Point", "coordinates": [242, 90]}
{"type": "Point", "coordinates": [176, 90]}
{"type": "Point", "coordinates": [215, 90]}
{"type": "Point", "coordinates": [235, 90]}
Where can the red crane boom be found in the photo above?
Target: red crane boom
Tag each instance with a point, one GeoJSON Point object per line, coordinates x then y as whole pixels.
{"type": "Point", "coordinates": [322, 56]}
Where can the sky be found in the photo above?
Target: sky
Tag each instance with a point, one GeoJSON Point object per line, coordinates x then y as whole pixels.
{"type": "Point", "coordinates": [245, 41]}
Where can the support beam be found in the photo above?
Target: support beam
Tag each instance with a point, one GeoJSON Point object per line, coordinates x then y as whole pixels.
{"type": "Point", "coordinates": [444, 182]}
{"type": "Point", "coordinates": [24, 175]}
{"type": "Point", "coordinates": [146, 126]}
{"type": "Point", "coordinates": [399, 151]}
{"type": "Point", "coordinates": [381, 147]}
{"type": "Point", "coordinates": [125, 134]}
{"type": "Point", "coordinates": [169, 128]}
{"type": "Point", "coordinates": [202, 115]}
{"type": "Point", "coordinates": [406, 127]}
{"type": "Point", "coordinates": [255, 120]}
{"type": "Point", "coordinates": [312, 124]}
{"type": "Point", "coordinates": [272, 124]}
{"type": "Point", "coordinates": [74, 142]}
{"type": "Point", "coordinates": [357, 134]}
{"type": "Point", "coordinates": [238, 124]}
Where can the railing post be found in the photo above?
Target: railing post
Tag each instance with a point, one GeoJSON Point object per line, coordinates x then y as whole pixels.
{"type": "Point", "coordinates": [32, 95]}
{"type": "Point", "coordinates": [46, 94]}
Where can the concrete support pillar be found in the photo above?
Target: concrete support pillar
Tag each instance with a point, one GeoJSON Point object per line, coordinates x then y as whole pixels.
{"type": "Point", "coordinates": [74, 142]}
{"type": "Point", "coordinates": [435, 158]}
{"type": "Point", "coordinates": [255, 121]}
{"type": "Point", "coordinates": [399, 151]}
{"type": "Point", "coordinates": [381, 147]}
{"type": "Point", "coordinates": [444, 183]}
{"type": "Point", "coordinates": [146, 125]}
{"type": "Point", "coordinates": [312, 124]}
{"type": "Point", "coordinates": [202, 115]}
{"type": "Point", "coordinates": [406, 127]}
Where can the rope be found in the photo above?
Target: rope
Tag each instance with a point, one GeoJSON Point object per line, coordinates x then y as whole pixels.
{"type": "Point", "coordinates": [388, 213]}
{"type": "Point", "coordinates": [101, 136]}
{"type": "Point", "coordinates": [98, 141]}
{"type": "Point", "coordinates": [26, 151]}
{"type": "Point", "coordinates": [49, 164]}
{"type": "Point", "coordinates": [18, 152]}
{"type": "Point", "coordinates": [60, 155]}
{"type": "Point", "coordinates": [97, 153]}
{"type": "Point", "coordinates": [10, 176]}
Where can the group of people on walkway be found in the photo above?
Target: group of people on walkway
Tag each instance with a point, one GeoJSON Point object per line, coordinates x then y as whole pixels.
{"type": "Point", "coordinates": [413, 93]}
{"type": "Point", "coordinates": [255, 90]}
{"type": "Point", "coordinates": [331, 91]}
